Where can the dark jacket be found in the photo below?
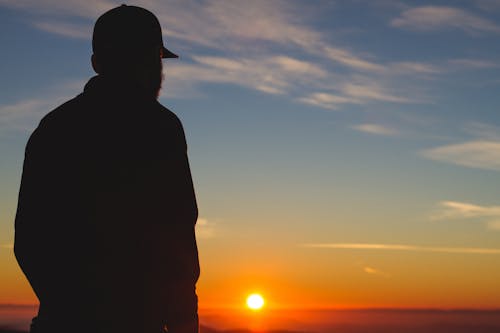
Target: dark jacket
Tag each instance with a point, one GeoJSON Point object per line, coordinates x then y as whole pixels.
{"type": "Point", "coordinates": [106, 214]}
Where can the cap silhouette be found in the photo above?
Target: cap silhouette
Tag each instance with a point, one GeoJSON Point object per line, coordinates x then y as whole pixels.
{"type": "Point", "coordinates": [127, 30]}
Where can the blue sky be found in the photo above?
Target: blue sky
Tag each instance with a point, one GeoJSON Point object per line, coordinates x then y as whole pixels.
{"type": "Point", "coordinates": [332, 123]}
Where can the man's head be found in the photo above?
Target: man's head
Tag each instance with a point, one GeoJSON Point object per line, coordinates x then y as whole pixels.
{"type": "Point", "coordinates": [127, 43]}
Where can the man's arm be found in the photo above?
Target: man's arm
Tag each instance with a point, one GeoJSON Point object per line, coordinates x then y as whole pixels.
{"type": "Point", "coordinates": [30, 248]}
{"type": "Point", "coordinates": [175, 232]}
{"type": "Point", "coordinates": [183, 307]}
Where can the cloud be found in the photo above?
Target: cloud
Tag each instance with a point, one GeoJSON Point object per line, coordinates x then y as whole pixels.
{"type": "Point", "coordinates": [244, 43]}
{"type": "Point", "coordinates": [25, 114]}
{"type": "Point", "coordinates": [274, 75]}
{"type": "Point", "coordinates": [327, 100]}
{"type": "Point", "coordinates": [428, 18]}
{"type": "Point", "coordinates": [413, 67]}
{"type": "Point", "coordinates": [83, 9]}
{"type": "Point", "coordinates": [473, 63]}
{"type": "Point", "coordinates": [375, 129]}
{"type": "Point", "coordinates": [357, 89]}
{"type": "Point", "coordinates": [453, 210]}
{"type": "Point", "coordinates": [348, 59]}
{"type": "Point", "coordinates": [494, 225]}
{"type": "Point", "coordinates": [374, 92]}
{"type": "Point", "coordinates": [374, 271]}
{"type": "Point", "coordinates": [275, 21]}
{"type": "Point", "coordinates": [281, 63]}
{"type": "Point", "coordinates": [292, 65]}
{"type": "Point", "coordinates": [481, 154]}
{"type": "Point", "coordinates": [205, 229]}
{"type": "Point", "coordinates": [309, 82]}
{"type": "Point", "coordinates": [66, 29]}
{"type": "Point", "coordinates": [489, 132]}
{"type": "Point", "coordinates": [210, 23]}
{"type": "Point", "coordinates": [401, 247]}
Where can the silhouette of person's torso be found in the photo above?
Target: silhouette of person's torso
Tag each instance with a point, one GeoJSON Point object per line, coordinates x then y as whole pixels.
{"type": "Point", "coordinates": [106, 215]}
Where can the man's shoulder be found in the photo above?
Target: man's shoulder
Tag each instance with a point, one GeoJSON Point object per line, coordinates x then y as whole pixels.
{"type": "Point", "coordinates": [63, 114]}
{"type": "Point", "coordinates": [57, 123]}
{"type": "Point", "coordinates": [168, 118]}
{"type": "Point", "coordinates": [167, 115]}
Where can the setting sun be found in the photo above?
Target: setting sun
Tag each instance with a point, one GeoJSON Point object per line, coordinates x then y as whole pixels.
{"type": "Point", "coordinates": [255, 302]}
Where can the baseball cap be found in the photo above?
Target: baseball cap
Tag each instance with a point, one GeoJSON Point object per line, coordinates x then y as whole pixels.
{"type": "Point", "coordinates": [126, 30]}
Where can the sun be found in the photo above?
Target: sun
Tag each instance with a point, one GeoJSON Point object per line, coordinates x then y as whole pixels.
{"type": "Point", "coordinates": [255, 302]}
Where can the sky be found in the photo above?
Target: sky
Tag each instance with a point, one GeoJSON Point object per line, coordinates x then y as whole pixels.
{"type": "Point", "coordinates": [345, 154]}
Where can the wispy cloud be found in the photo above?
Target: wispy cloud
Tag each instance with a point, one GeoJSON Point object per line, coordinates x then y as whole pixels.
{"type": "Point", "coordinates": [9, 246]}
{"type": "Point", "coordinates": [495, 225]}
{"type": "Point", "coordinates": [401, 247]}
{"type": "Point", "coordinates": [327, 100]}
{"type": "Point", "coordinates": [428, 18]}
{"type": "Point", "coordinates": [24, 115]}
{"type": "Point", "coordinates": [348, 59]}
{"type": "Point", "coordinates": [375, 129]}
{"type": "Point", "coordinates": [374, 271]}
{"type": "Point", "coordinates": [275, 21]}
{"type": "Point", "coordinates": [371, 92]}
{"type": "Point", "coordinates": [66, 29]}
{"type": "Point", "coordinates": [77, 8]}
{"type": "Point", "coordinates": [247, 41]}
{"type": "Point", "coordinates": [356, 62]}
{"type": "Point", "coordinates": [482, 154]}
{"type": "Point", "coordinates": [205, 229]}
{"type": "Point", "coordinates": [210, 23]}
{"type": "Point", "coordinates": [453, 210]}
{"type": "Point", "coordinates": [274, 75]}
{"type": "Point", "coordinates": [467, 63]}
{"type": "Point", "coordinates": [489, 132]}
{"type": "Point", "coordinates": [358, 89]}
{"type": "Point", "coordinates": [413, 67]}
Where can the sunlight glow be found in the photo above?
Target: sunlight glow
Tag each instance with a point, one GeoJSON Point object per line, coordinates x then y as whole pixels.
{"type": "Point", "coordinates": [255, 302]}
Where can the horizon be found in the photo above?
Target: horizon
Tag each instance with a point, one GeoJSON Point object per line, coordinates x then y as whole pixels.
{"type": "Point", "coordinates": [319, 321]}
{"type": "Point", "coordinates": [239, 307]}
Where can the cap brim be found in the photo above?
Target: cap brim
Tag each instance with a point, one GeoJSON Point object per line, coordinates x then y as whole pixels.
{"type": "Point", "coordinates": [166, 53]}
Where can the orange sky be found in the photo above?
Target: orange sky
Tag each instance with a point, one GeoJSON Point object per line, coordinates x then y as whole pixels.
{"type": "Point", "coordinates": [292, 277]}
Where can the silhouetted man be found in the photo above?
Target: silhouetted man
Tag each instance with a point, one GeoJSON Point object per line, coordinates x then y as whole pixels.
{"type": "Point", "coordinates": [106, 212]}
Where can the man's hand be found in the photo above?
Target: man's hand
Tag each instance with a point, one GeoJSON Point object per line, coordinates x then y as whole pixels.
{"type": "Point", "coordinates": [189, 327]}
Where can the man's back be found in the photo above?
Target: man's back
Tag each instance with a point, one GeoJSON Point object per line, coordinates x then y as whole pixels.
{"type": "Point", "coordinates": [106, 214]}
